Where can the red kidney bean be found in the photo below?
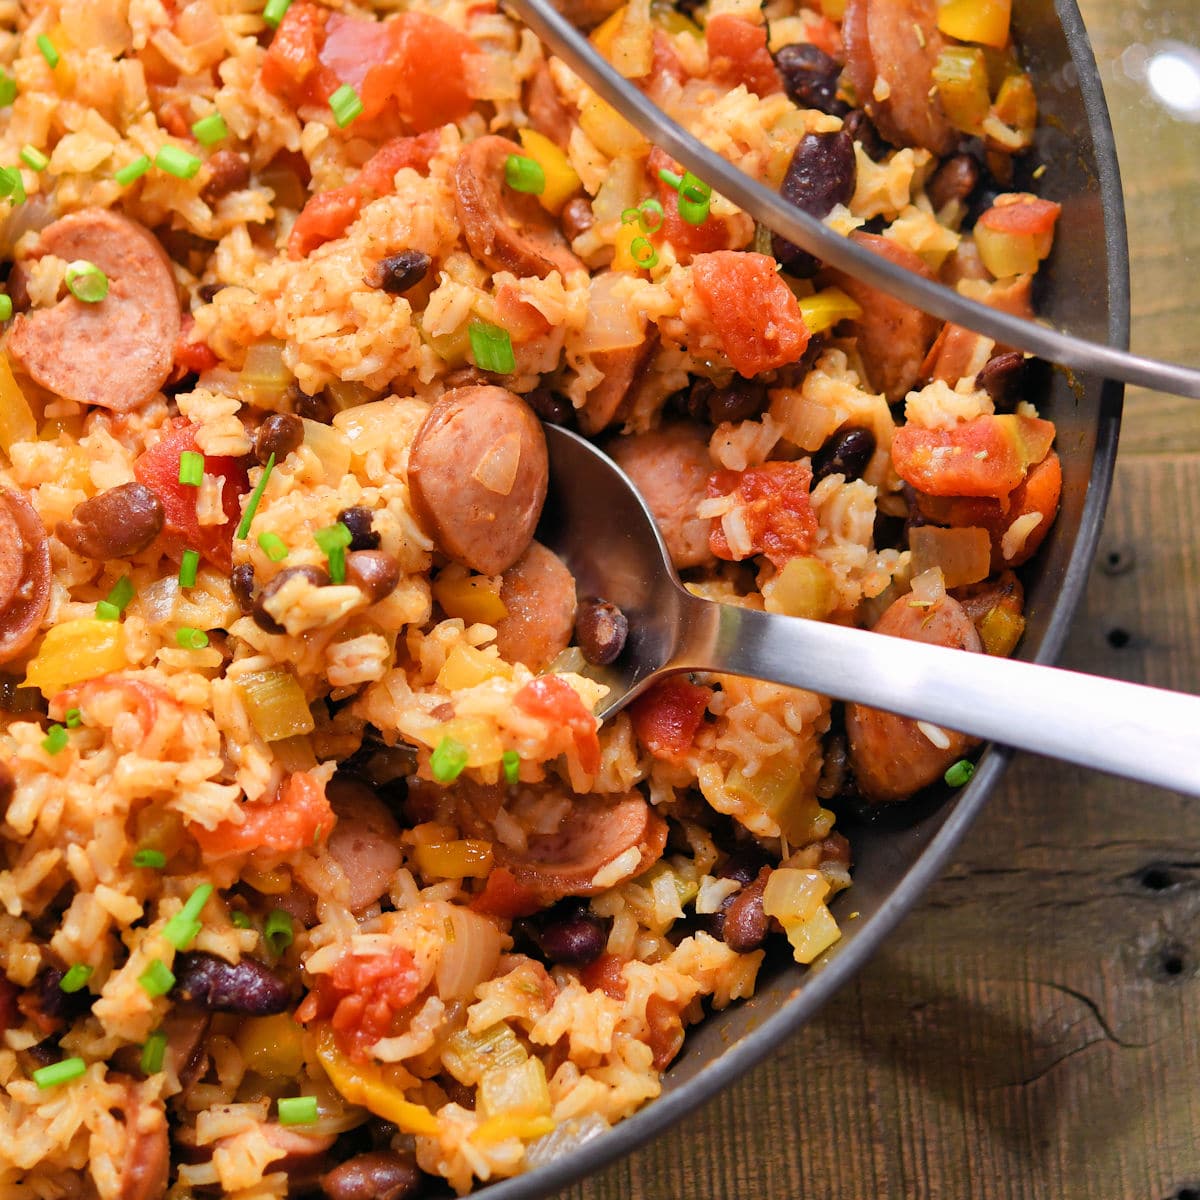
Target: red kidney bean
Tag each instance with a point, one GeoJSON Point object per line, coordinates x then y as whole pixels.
{"type": "Point", "coordinates": [574, 937]}
{"type": "Point", "coordinates": [846, 453]}
{"type": "Point", "coordinates": [821, 175]}
{"type": "Point", "coordinates": [810, 77]}
{"type": "Point", "coordinates": [955, 179]}
{"type": "Point", "coordinates": [114, 524]}
{"type": "Point", "coordinates": [601, 629]}
{"type": "Point", "coordinates": [377, 1175]}
{"type": "Point", "coordinates": [746, 924]}
{"type": "Point", "coordinates": [247, 987]}
{"type": "Point", "coordinates": [1001, 376]}
{"type": "Point", "coordinates": [861, 130]}
{"type": "Point", "coordinates": [550, 406]}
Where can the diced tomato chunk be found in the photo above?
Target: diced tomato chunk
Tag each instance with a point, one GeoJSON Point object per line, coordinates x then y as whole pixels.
{"type": "Point", "coordinates": [361, 996]}
{"type": "Point", "coordinates": [737, 53]}
{"type": "Point", "coordinates": [605, 975]}
{"type": "Point", "coordinates": [987, 456]}
{"type": "Point", "coordinates": [1026, 215]}
{"type": "Point", "coordinates": [666, 1030]}
{"type": "Point", "coordinates": [504, 895]}
{"type": "Point", "coordinates": [292, 68]}
{"type": "Point", "coordinates": [158, 469]}
{"type": "Point", "coordinates": [775, 510]}
{"type": "Point", "coordinates": [553, 699]}
{"type": "Point", "coordinates": [667, 716]}
{"type": "Point", "coordinates": [109, 695]}
{"type": "Point", "coordinates": [8, 1004]}
{"type": "Point", "coordinates": [192, 356]}
{"type": "Point", "coordinates": [754, 313]}
{"type": "Point", "coordinates": [299, 818]}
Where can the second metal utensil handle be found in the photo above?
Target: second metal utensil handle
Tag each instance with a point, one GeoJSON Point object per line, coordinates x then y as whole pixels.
{"type": "Point", "coordinates": [1142, 733]}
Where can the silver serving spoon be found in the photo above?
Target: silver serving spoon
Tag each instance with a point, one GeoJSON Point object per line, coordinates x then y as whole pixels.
{"type": "Point", "coordinates": [596, 521]}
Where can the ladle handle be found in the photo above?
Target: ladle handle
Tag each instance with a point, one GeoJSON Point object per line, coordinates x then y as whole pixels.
{"type": "Point", "coordinates": [1142, 733]}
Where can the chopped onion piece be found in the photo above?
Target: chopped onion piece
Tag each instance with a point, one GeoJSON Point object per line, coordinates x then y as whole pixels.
{"type": "Point", "coordinates": [962, 555]}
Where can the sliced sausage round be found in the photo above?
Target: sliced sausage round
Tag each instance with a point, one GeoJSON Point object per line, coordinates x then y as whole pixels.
{"type": "Point", "coordinates": [539, 593]}
{"type": "Point", "coordinates": [892, 756]}
{"type": "Point", "coordinates": [147, 1158]}
{"type": "Point", "coordinates": [115, 354]}
{"type": "Point", "coordinates": [509, 231]}
{"type": "Point", "coordinates": [478, 473]}
{"type": "Point", "coordinates": [610, 399]}
{"type": "Point", "coordinates": [670, 467]}
{"type": "Point", "coordinates": [24, 574]}
{"type": "Point", "coordinates": [365, 842]}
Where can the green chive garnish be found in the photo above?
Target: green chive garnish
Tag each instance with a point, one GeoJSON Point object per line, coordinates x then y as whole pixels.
{"type": "Point", "coordinates": [107, 612]}
{"type": "Point", "coordinates": [491, 348]}
{"type": "Point", "coordinates": [34, 159]}
{"type": "Point", "coordinates": [255, 496]}
{"type": "Point", "coordinates": [12, 185]}
{"type": "Point", "coordinates": [274, 12]}
{"type": "Point", "coordinates": [333, 541]}
{"type": "Point", "coordinates": [133, 171]}
{"type": "Point", "coordinates": [49, 53]}
{"type": "Point", "coordinates": [191, 468]}
{"type": "Point", "coordinates": [272, 545]}
{"type": "Point", "coordinates": [156, 979]}
{"type": "Point", "coordinates": [189, 564]}
{"type": "Point", "coordinates": [6, 309]}
{"type": "Point", "coordinates": [155, 860]}
{"type": "Point", "coordinates": [670, 179]}
{"type": "Point", "coordinates": [959, 773]}
{"type": "Point", "coordinates": [240, 919]}
{"type": "Point", "coordinates": [153, 1052]}
{"type": "Point", "coordinates": [524, 174]}
{"type": "Point", "coordinates": [448, 760]}
{"type": "Point", "coordinates": [74, 718]}
{"type": "Point", "coordinates": [182, 928]}
{"type": "Point", "coordinates": [177, 162]}
{"type": "Point", "coordinates": [75, 978]}
{"type": "Point", "coordinates": [210, 130]}
{"type": "Point", "coordinates": [86, 282]}
{"type": "Point", "coordinates": [277, 932]}
{"type": "Point", "coordinates": [188, 638]}
{"type": "Point", "coordinates": [59, 1072]}
{"type": "Point", "coordinates": [694, 198]}
{"type": "Point", "coordinates": [8, 89]}
{"type": "Point", "coordinates": [643, 253]}
{"type": "Point", "coordinates": [511, 761]}
{"type": "Point", "coordinates": [55, 740]}
{"type": "Point", "coordinates": [297, 1110]}
{"type": "Point", "coordinates": [122, 592]}
{"type": "Point", "coordinates": [345, 104]}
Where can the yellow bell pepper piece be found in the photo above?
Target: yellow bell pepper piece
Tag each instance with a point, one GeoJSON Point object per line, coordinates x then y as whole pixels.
{"type": "Point", "coordinates": [1005, 253]}
{"type": "Point", "coordinates": [603, 36]}
{"type": "Point", "coordinates": [982, 21]}
{"type": "Point", "coordinates": [1016, 105]}
{"type": "Point", "coordinates": [824, 309]}
{"type": "Point", "coordinates": [668, 18]}
{"type": "Point", "coordinates": [272, 1046]}
{"type": "Point", "coordinates": [465, 666]}
{"type": "Point", "coordinates": [1001, 630]}
{"type": "Point", "coordinates": [467, 859]}
{"type": "Point", "coordinates": [363, 1083]}
{"type": "Point", "coordinates": [778, 790]}
{"type": "Point", "coordinates": [960, 75]}
{"type": "Point", "coordinates": [609, 132]}
{"type": "Point", "coordinates": [17, 423]}
{"type": "Point", "coordinates": [623, 258]}
{"type": "Point", "coordinates": [471, 598]}
{"type": "Point", "coordinates": [804, 588]}
{"type": "Point", "coordinates": [561, 180]}
{"type": "Point", "coordinates": [74, 652]}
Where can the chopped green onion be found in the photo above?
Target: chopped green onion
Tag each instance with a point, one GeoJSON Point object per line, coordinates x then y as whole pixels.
{"type": "Point", "coordinates": [132, 171]}
{"type": "Point", "coordinates": [153, 1053]}
{"type": "Point", "coordinates": [524, 174]}
{"type": "Point", "coordinates": [273, 546]}
{"type": "Point", "coordinates": [345, 104]}
{"type": "Point", "coordinates": [511, 761]}
{"type": "Point", "coordinates": [105, 611]}
{"type": "Point", "coordinates": [75, 978]}
{"type": "Point", "coordinates": [210, 130]}
{"type": "Point", "coordinates": [86, 282]}
{"type": "Point", "coordinates": [240, 919]}
{"type": "Point", "coordinates": [59, 1072]}
{"type": "Point", "coordinates": [8, 89]}
{"type": "Point", "coordinates": [694, 198]}
{"type": "Point", "coordinates": [255, 496]}
{"type": "Point", "coordinates": [333, 541]}
{"type": "Point", "coordinates": [448, 760]}
{"type": "Point", "coordinates": [177, 162]}
{"type": "Point", "coordinates": [188, 638]}
{"type": "Point", "coordinates": [643, 253]}
{"type": "Point", "coordinates": [122, 592]}
{"type": "Point", "coordinates": [49, 53]}
{"type": "Point", "coordinates": [155, 860]}
{"type": "Point", "coordinates": [647, 209]}
{"type": "Point", "coordinates": [182, 928]}
{"type": "Point", "coordinates": [492, 348]}
{"type": "Point", "coordinates": [670, 179]}
{"type": "Point", "coordinates": [297, 1110]}
{"type": "Point", "coordinates": [12, 185]}
{"type": "Point", "coordinates": [55, 740]}
{"type": "Point", "coordinates": [156, 979]}
{"type": "Point", "coordinates": [189, 565]}
{"type": "Point", "coordinates": [274, 12]}
{"type": "Point", "coordinates": [6, 309]}
{"type": "Point", "coordinates": [277, 932]}
{"type": "Point", "coordinates": [74, 718]}
{"type": "Point", "coordinates": [960, 773]}
{"type": "Point", "coordinates": [34, 159]}
{"type": "Point", "coordinates": [191, 468]}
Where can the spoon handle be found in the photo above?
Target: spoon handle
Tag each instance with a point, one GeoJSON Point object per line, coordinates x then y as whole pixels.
{"type": "Point", "coordinates": [1142, 733]}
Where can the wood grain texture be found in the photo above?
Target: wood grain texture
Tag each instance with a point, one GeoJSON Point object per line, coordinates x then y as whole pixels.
{"type": "Point", "coordinates": [1033, 1030]}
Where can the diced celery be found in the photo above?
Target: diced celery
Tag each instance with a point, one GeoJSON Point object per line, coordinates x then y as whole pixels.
{"type": "Point", "coordinates": [264, 379]}
{"type": "Point", "coordinates": [275, 704]}
{"type": "Point", "coordinates": [519, 1091]}
{"type": "Point", "coordinates": [1001, 630]}
{"type": "Point", "coordinates": [777, 789]}
{"type": "Point", "coordinates": [803, 588]}
{"type": "Point", "coordinates": [331, 446]}
{"type": "Point", "coordinates": [813, 936]}
{"type": "Point", "coordinates": [468, 1056]}
{"type": "Point", "coordinates": [960, 75]}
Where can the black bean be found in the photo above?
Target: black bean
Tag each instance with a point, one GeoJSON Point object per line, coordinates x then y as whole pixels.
{"type": "Point", "coordinates": [241, 583]}
{"type": "Point", "coordinates": [206, 292]}
{"type": "Point", "coordinates": [52, 1001]}
{"type": "Point", "coordinates": [693, 403]}
{"type": "Point", "coordinates": [247, 987]}
{"type": "Point", "coordinates": [573, 937]}
{"type": "Point", "coordinates": [862, 130]}
{"type": "Point", "coordinates": [601, 629]}
{"type": "Point", "coordinates": [1001, 376]}
{"type": "Point", "coordinates": [742, 400]}
{"type": "Point", "coordinates": [399, 272]}
{"type": "Point", "coordinates": [577, 217]}
{"type": "Point", "coordinates": [317, 408]}
{"type": "Point", "coordinates": [846, 453]}
{"type": "Point", "coordinates": [810, 77]}
{"type": "Point", "coordinates": [279, 434]}
{"type": "Point", "coordinates": [743, 864]}
{"type": "Point", "coordinates": [551, 406]}
{"type": "Point", "coordinates": [263, 619]}
{"type": "Point", "coordinates": [377, 1175]}
{"type": "Point", "coordinates": [359, 521]}
{"type": "Point", "coordinates": [115, 524]}
{"type": "Point", "coordinates": [822, 174]}
{"type": "Point", "coordinates": [374, 572]}
{"type": "Point", "coordinates": [228, 172]}
{"type": "Point", "coordinates": [955, 179]}
{"type": "Point", "coordinates": [746, 924]}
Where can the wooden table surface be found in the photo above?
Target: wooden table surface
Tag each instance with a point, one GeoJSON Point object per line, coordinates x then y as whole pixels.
{"type": "Point", "coordinates": [1033, 1029]}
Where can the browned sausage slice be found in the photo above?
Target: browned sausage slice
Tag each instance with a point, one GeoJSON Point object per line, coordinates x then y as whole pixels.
{"type": "Point", "coordinates": [548, 114]}
{"type": "Point", "coordinates": [892, 756]}
{"type": "Point", "coordinates": [478, 474]}
{"type": "Point", "coordinates": [115, 354]}
{"type": "Point", "coordinates": [509, 231]}
{"type": "Point", "coordinates": [595, 835]}
{"type": "Point", "coordinates": [147, 1156]}
{"type": "Point", "coordinates": [893, 337]}
{"type": "Point", "coordinates": [612, 397]}
{"type": "Point", "coordinates": [364, 842]}
{"type": "Point", "coordinates": [670, 467]}
{"type": "Point", "coordinates": [24, 574]}
{"type": "Point", "coordinates": [539, 592]}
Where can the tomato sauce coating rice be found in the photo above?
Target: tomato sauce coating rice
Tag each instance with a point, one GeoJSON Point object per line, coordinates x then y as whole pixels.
{"type": "Point", "coordinates": [317, 873]}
